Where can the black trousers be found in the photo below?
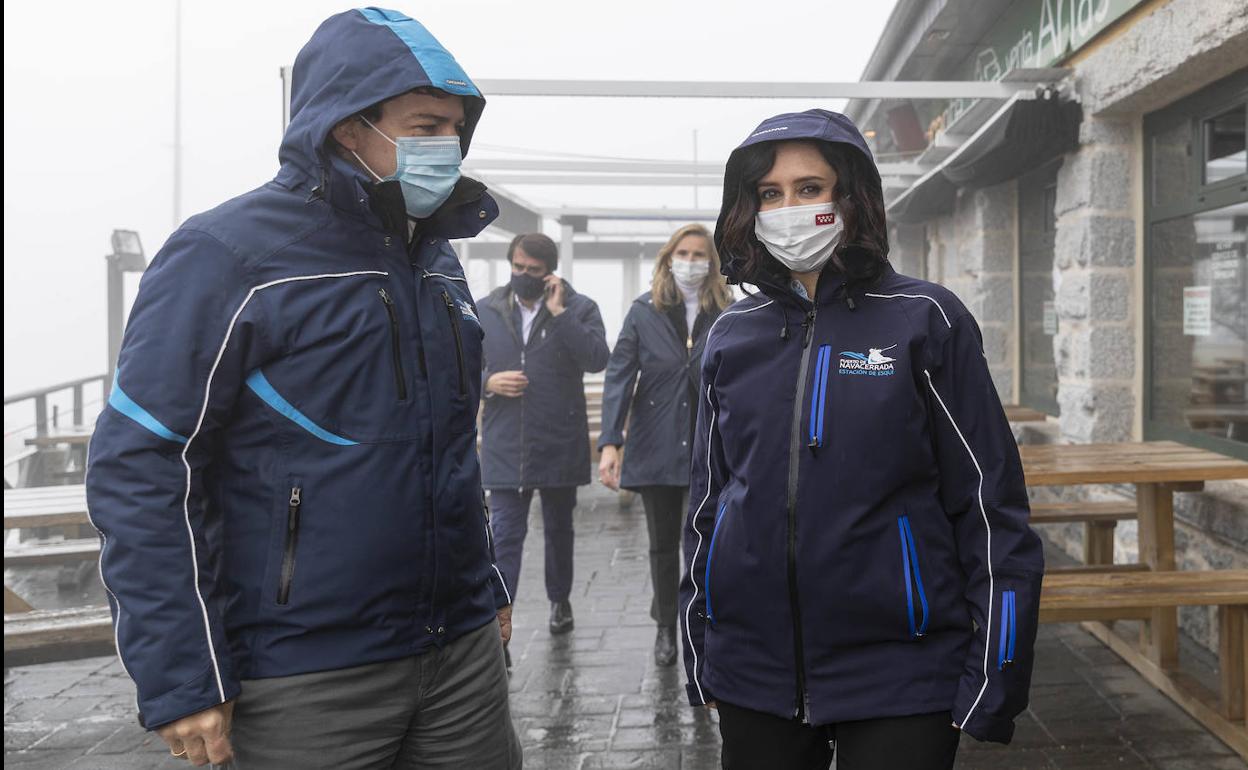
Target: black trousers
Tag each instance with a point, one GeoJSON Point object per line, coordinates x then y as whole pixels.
{"type": "Point", "coordinates": [757, 741]}
{"type": "Point", "coordinates": [665, 513]}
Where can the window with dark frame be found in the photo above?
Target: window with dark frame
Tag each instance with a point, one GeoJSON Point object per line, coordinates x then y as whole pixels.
{"type": "Point", "coordinates": [1196, 269]}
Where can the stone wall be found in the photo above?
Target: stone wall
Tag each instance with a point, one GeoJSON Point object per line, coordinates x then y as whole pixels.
{"type": "Point", "coordinates": [1168, 51]}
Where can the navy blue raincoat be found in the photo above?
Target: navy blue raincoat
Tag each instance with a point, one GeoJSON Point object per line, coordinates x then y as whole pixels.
{"type": "Point", "coordinates": [540, 439]}
{"type": "Point", "coordinates": [285, 478]}
{"type": "Point", "coordinates": [857, 539]}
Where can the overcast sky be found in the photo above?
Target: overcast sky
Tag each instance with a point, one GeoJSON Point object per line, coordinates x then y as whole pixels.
{"type": "Point", "coordinates": [88, 117]}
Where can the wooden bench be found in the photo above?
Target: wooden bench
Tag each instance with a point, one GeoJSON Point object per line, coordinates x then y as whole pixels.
{"type": "Point", "coordinates": [58, 634]}
{"type": "Point", "coordinates": [56, 552]}
{"type": "Point", "coordinates": [1107, 596]}
{"type": "Point", "coordinates": [1016, 413]}
{"type": "Point", "coordinates": [59, 506]}
{"type": "Point", "coordinates": [1099, 519]}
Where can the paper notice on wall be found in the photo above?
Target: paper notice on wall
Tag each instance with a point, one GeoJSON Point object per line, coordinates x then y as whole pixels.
{"type": "Point", "coordinates": [1050, 318]}
{"type": "Point", "coordinates": [1197, 311]}
{"type": "Point", "coordinates": [1225, 263]}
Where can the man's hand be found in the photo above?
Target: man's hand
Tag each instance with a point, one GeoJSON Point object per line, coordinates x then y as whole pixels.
{"type": "Point", "coordinates": [554, 294]}
{"type": "Point", "coordinates": [202, 737]}
{"type": "Point", "coordinates": [504, 623]}
{"type": "Point", "coordinates": [609, 467]}
{"type": "Point", "coordinates": [508, 384]}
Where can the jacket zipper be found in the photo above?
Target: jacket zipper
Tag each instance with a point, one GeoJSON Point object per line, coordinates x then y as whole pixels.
{"type": "Point", "coordinates": [396, 349]}
{"type": "Point", "coordinates": [914, 578]}
{"type": "Point", "coordinates": [1005, 644]}
{"type": "Point", "coordinates": [795, 445]}
{"type": "Point", "coordinates": [710, 554]}
{"type": "Point", "coordinates": [292, 540]}
{"type": "Point", "coordinates": [819, 396]}
{"type": "Point", "coordinates": [459, 342]}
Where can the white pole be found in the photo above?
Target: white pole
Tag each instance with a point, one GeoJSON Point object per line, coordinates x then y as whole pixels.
{"type": "Point", "coordinates": [177, 114]}
{"type": "Point", "coordinates": [695, 165]}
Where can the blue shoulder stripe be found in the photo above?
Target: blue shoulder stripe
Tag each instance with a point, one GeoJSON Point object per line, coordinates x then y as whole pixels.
{"type": "Point", "coordinates": [261, 386]}
{"type": "Point", "coordinates": [444, 72]}
{"type": "Point", "coordinates": [118, 400]}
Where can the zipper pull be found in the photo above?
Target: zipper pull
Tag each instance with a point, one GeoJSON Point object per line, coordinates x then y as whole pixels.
{"type": "Point", "coordinates": [809, 326]}
{"type": "Point", "coordinates": [689, 342]}
{"type": "Point", "coordinates": [385, 297]}
{"type": "Point", "coordinates": [296, 498]}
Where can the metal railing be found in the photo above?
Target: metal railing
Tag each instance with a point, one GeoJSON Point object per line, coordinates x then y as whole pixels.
{"type": "Point", "coordinates": [40, 396]}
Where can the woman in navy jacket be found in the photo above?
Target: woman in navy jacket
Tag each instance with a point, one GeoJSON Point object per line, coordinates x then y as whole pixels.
{"type": "Point", "coordinates": [860, 570]}
{"type": "Point", "coordinates": [661, 342]}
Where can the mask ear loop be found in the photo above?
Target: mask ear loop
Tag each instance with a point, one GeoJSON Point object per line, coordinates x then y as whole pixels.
{"type": "Point", "coordinates": [361, 160]}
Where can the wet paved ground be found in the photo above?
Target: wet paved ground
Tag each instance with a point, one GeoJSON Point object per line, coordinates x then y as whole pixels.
{"type": "Point", "coordinates": [594, 699]}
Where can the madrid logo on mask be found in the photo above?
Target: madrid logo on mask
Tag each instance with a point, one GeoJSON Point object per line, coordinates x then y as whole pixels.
{"type": "Point", "coordinates": [871, 364]}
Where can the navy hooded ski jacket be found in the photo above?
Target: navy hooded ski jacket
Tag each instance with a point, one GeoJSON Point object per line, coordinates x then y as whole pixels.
{"type": "Point", "coordinates": [857, 538]}
{"type": "Point", "coordinates": [285, 478]}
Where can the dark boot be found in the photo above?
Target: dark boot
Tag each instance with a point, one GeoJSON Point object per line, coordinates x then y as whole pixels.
{"type": "Point", "coordinates": [665, 646]}
{"type": "Point", "coordinates": [560, 617]}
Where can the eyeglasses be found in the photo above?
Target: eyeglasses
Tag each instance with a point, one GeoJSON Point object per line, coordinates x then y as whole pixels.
{"type": "Point", "coordinates": [533, 270]}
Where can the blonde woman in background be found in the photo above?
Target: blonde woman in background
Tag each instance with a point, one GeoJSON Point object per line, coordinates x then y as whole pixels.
{"type": "Point", "coordinates": [659, 351]}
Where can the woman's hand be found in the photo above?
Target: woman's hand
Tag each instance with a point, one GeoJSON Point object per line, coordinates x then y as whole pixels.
{"type": "Point", "coordinates": [609, 467]}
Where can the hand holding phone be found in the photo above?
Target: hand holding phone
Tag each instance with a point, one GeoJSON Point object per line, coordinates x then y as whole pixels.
{"type": "Point", "coordinates": [554, 293]}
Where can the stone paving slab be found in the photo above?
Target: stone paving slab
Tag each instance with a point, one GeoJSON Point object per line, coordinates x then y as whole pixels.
{"type": "Point", "coordinates": [595, 700]}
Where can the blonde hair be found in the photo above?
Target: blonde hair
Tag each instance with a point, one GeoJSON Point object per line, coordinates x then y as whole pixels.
{"type": "Point", "coordinates": [713, 295]}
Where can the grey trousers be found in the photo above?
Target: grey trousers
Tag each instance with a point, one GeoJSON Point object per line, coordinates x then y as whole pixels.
{"type": "Point", "coordinates": [444, 709]}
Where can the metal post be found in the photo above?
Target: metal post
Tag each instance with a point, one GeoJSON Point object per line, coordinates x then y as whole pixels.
{"type": "Point", "coordinates": [115, 320]}
{"type": "Point", "coordinates": [78, 418]}
{"type": "Point", "coordinates": [632, 277]}
{"type": "Point", "coordinates": [177, 114]}
{"type": "Point", "coordinates": [565, 251]}
{"type": "Point", "coordinates": [41, 414]}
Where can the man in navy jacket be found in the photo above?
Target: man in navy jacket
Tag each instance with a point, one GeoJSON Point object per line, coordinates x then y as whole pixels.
{"type": "Point", "coordinates": [285, 479]}
{"type": "Point", "coordinates": [541, 337]}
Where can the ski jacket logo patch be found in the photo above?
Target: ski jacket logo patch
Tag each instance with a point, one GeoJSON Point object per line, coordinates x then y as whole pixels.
{"type": "Point", "coordinates": [871, 364]}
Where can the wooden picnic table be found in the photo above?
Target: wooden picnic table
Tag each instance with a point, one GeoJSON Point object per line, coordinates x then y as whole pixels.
{"type": "Point", "coordinates": [55, 506]}
{"type": "Point", "coordinates": [78, 436]}
{"type": "Point", "coordinates": [1158, 469]}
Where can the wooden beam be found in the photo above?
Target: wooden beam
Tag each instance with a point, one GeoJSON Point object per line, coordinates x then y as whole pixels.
{"type": "Point", "coordinates": [1233, 661]}
{"type": "Point", "coordinates": [1186, 697]}
{"type": "Point", "coordinates": [1159, 637]}
{"type": "Point", "coordinates": [13, 603]}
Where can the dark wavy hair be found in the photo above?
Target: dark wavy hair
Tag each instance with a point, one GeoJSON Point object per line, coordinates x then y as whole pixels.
{"type": "Point", "coordinates": [863, 251]}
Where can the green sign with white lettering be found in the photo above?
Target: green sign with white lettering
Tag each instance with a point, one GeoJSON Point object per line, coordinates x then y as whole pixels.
{"type": "Point", "coordinates": [1031, 34]}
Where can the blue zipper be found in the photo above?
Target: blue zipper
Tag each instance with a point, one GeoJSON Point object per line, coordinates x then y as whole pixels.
{"type": "Point", "coordinates": [914, 578]}
{"type": "Point", "coordinates": [710, 553]}
{"type": "Point", "coordinates": [1005, 645]}
{"type": "Point", "coordinates": [818, 396]}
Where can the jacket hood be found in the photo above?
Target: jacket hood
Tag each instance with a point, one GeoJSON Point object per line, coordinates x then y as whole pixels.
{"type": "Point", "coordinates": [820, 125]}
{"type": "Point", "coordinates": [356, 59]}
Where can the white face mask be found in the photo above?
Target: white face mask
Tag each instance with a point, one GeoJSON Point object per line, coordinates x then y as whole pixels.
{"type": "Point", "coordinates": [801, 237]}
{"type": "Point", "coordinates": [689, 273]}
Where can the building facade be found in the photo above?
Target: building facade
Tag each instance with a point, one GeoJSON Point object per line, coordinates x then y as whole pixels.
{"type": "Point", "coordinates": [1098, 233]}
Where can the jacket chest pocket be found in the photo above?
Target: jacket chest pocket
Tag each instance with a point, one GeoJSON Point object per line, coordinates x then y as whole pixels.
{"type": "Point", "coordinates": [351, 367]}
{"type": "Point", "coordinates": [460, 331]}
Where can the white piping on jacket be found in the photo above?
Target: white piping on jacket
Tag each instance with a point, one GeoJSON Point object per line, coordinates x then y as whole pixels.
{"type": "Point", "coordinates": [693, 522]}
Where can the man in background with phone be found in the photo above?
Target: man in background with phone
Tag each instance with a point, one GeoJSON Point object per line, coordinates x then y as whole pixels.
{"type": "Point", "coordinates": [541, 337]}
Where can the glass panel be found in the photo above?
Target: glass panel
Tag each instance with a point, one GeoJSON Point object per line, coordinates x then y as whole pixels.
{"type": "Point", "coordinates": [1037, 224]}
{"type": "Point", "coordinates": [1200, 324]}
{"type": "Point", "coordinates": [1226, 146]}
{"type": "Point", "coordinates": [1172, 165]}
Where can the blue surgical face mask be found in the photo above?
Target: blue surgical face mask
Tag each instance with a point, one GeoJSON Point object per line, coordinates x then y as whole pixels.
{"type": "Point", "coordinates": [427, 170]}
